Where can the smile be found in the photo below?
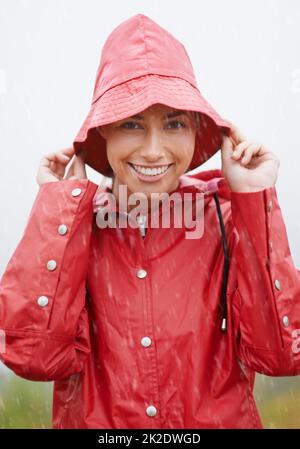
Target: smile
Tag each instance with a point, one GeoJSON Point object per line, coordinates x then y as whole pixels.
{"type": "Point", "coordinates": [148, 174]}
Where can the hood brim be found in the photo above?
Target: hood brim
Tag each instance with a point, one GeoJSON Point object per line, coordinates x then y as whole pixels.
{"type": "Point", "coordinates": [138, 94]}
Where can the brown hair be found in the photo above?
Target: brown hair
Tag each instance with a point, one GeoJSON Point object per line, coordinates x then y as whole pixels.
{"type": "Point", "coordinates": [195, 116]}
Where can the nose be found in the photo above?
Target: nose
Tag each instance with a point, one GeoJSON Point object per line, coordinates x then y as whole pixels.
{"type": "Point", "coordinates": [152, 149]}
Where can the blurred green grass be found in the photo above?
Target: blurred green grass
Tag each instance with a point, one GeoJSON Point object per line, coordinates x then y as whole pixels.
{"type": "Point", "coordinates": [278, 401]}
{"type": "Point", "coordinates": [25, 404]}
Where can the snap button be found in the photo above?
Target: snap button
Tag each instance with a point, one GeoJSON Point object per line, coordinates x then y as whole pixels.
{"type": "Point", "coordinates": [277, 284]}
{"type": "Point", "coordinates": [76, 192]}
{"type": "Point", "coordinates": [42, 301]}
{"type": "Point", "coordinates": [51, 265]}
{"type": "Point", "coordinates": [146, 341]}
{"type": "Point", "coordinates": [151, 410]}
{"type": "Point", "coordinates": [141, 273]}
{"type": "Point", "coordinates": [62, 229]}
{"type": "Point", "coordinates": [285, 321]}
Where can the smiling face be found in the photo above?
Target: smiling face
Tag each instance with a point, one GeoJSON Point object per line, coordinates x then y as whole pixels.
{"type": "Point", "coordinates": [148, 152]}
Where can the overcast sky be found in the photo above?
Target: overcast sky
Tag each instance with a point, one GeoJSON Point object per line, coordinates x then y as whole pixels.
{"type": "Point", "coordinates": [245, 54]}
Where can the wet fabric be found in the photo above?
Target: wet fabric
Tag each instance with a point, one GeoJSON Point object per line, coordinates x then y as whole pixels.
{"type": "Point", "coordinates": [129, 327]}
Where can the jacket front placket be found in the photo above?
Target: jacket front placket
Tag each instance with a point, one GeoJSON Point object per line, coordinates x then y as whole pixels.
{"type": "Point", "coordinates": [144, 281]}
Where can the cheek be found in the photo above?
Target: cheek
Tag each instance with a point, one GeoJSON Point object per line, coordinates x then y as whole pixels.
{"type": "Point", "coordinates": [117, 152]}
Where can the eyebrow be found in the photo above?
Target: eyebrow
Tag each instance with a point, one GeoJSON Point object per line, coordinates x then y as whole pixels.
{"type": "Point", "coordinates": [170, 115]}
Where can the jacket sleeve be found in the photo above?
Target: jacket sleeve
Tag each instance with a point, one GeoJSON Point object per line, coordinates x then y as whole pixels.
{"type": "Point", "coordinates": [266, 302]}
{"type": "Point", "coordinates": [44, 330]}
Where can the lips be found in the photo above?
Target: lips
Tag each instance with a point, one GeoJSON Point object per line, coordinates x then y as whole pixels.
{"type": "Point", "coordinates": [149, 174]}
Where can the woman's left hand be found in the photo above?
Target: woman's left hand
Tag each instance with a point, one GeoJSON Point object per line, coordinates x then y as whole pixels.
{"type": "Point", "coordinates": [247, 166]}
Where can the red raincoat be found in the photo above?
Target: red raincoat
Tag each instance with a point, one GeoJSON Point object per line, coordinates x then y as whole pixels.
{"type": "Point", "coordinates": [129, 327]}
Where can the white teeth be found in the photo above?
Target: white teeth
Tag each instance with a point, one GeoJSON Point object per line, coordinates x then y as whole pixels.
{"type": "Point", "coordinates": [150, 171]}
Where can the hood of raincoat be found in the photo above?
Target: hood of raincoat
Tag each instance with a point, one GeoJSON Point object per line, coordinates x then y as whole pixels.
{"type": "Point", "coordinates": [142, 64]}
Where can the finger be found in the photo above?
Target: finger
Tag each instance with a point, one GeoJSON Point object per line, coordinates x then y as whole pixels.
{"type": "Point", "coordinates": [235, 133]}
{"type": "Point", "coordinates": [253, 149]}
{"type": "Point", "coordinates": [226, 148]}
{"type": "Point", "coordinates": [240, 148]}
{"type": "Point", "coordinates": [54, 157]}
{"type": "Point", "coordinates": [259, 151]}
{"type": "Point", "coordinates": [69, 151]}
{"type": "Point", "coordinates": [65, 152]}
{"type": "Point", "coordinates": [56, 169]}
{"type": "Point", "coordinates": [48, 173]}
{"type": "Point", "coordinates": [46, 165]}
{"type": "Point", "coordinates": [55, 166]}
{"type": "Point", "coordinates": [62, 158]}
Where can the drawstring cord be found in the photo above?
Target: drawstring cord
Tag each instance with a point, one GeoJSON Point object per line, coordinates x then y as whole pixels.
{"type": "Point", "coordinates": [226, 265]}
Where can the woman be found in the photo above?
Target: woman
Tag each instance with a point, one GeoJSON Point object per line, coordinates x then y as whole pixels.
{"type": "Point", "coordinates": [145, 327]}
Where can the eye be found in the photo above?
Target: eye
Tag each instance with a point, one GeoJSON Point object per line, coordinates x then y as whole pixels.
{"type": "Point", "coordinates": [176, 122]}
{"type": "Point", "coordinates": [131, 125]}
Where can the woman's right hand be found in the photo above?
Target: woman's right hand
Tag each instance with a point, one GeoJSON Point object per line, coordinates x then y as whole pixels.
{"type": "Point", "coordinates": [53, 165]}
